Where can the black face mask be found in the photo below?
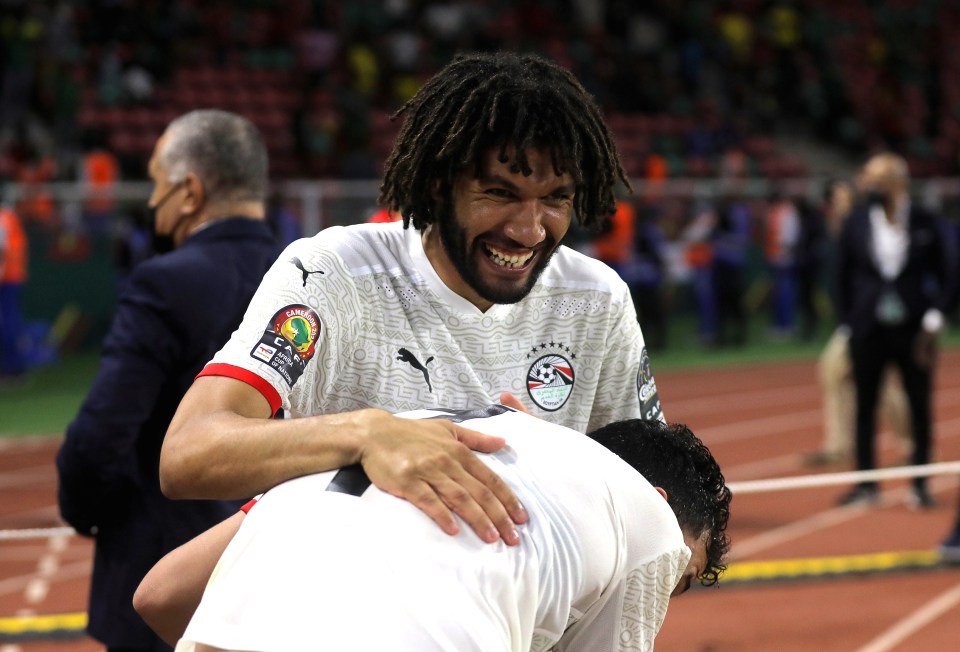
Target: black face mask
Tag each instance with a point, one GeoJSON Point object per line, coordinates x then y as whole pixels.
{"type": "Point", "coordinates": [162, 243]}
{"type": "Point", "coordinates": [877, 198]}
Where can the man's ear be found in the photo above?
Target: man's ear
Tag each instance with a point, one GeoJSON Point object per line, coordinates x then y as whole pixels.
{"type": "Point", "coordinates": [661, 492]}
{"type": "Point", "coordinates": [435, 190]}
{"type": "Point", "coordinates": [196, 194]}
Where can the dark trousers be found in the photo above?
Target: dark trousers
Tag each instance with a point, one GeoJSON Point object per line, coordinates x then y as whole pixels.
{"type": "Point", "coordinates": [728, 287]}
{"type": "Point", "coordinates": [870, 355]}
{"type": "Point", "coordinates": [11, 329]}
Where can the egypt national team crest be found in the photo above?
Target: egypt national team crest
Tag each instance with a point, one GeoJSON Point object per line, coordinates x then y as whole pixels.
{"type": "Point", "coordinates": [289, 341]}
{"type": "Point", "coordinates": [550, 381]}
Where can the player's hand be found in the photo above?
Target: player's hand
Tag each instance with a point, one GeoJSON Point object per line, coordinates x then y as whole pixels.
{"type": "Point", "coordinates": [511, 401]}
{"type": "Point", "coordinates": [430, 463]}
{"type": "Point", "coordinates": [925, 349]}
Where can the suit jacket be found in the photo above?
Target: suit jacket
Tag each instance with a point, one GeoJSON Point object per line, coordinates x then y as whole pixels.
{"type": "Point", "coordinates": [174, 313]}
{"type": "Point", "coordinates": [928, 278]}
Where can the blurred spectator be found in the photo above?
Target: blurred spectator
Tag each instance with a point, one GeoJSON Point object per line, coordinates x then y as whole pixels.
{"type": "Point", "coordinates": [699, 257]}
{"type": "Point", "coordinates": [34, 201]}
{"type": "Point", "coordinates": [13, 275]}
{"type": "Point", "coordinates": [615, 244]}
{"type": "Point", "coordinates": [644, 272]}
{"type": "Point", "coordinates": [897, 277]}
{"type": "Point", "coordinates": [835, 371]}
{"type": "Point", "coordinates": [810, 253]}
{"type": "Point", "coordinates": [781, 239]}
{"type": "Point", "coordinates": [99, 171]}
{"type": "Point", "coordinates": [731, 242]}
{"type": "Point", "coordinates": [950, 548]}
{"type": "Point", "coordinates": [282, 220]}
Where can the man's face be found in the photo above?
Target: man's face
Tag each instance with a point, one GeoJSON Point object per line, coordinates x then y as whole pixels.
{"type": "Point", "coordinates": [697, 563]}
{"type": "Point", "coordinates": [842, 200]}
{"type": "Point", "coordinates": [879, 175]}
{"type": "Point", "coordinates": [502, 229]}
{"type": "Point", "coordinates": [163, 199]}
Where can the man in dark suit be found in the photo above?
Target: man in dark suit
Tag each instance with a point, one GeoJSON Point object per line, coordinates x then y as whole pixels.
{"type": "Point", "coordinates": [209, 170]}
{"type": "Point", "coordinates": [896, 281]}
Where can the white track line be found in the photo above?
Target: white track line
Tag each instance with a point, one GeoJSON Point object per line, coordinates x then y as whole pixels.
{"type": "Point", "coordinates": [762, 427]}
{"type": "Point", "coordinates": [19, 583]}
{"type": "Point", "coordinates": [828, 518]}
{"type": "Point", "coordinates": [730, 401]}
{"type": "Point", "coordinates": [915, 621]}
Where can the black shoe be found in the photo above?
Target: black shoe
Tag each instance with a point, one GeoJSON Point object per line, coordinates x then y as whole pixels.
{"type": "Point", "coordinates": [950, 549]}
{"type": "Point", "coordinates": [920, 498]}
{"type": "Point", "coordinates": [823, 458]}
{"type": "Point", "coordinates": [862, 494]}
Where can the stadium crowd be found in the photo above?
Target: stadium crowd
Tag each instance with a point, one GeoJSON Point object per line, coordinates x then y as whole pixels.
{"type": "Point", "coordinates": [696, 91]}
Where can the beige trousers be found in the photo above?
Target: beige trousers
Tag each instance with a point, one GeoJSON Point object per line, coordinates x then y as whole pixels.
{"type": "Point", "coordinates": [839, 400]}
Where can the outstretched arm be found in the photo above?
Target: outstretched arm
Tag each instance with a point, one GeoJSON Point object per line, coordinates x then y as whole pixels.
{"type": "Point", "coordinates": [171, 591]}
{"type": "Point", "coordinates": [222, 444]}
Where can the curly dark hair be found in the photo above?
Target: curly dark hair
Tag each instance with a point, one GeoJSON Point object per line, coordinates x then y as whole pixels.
{"type": "Point", "coordinates": [481, 101]}
{"type": "Point", "coordinates": [673, 458]}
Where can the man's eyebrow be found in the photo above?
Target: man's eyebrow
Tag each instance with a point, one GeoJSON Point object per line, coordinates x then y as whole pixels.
{"type": "Point", "coordinates": [499, 180]}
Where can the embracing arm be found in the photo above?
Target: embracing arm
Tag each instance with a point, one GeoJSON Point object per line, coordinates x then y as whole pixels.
{"type": "Point", "coordinates": [222, 444]}
{"type": "Point", "coordinates": [171, 591]}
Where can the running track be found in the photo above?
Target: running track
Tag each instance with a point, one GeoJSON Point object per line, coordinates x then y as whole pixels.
{"type": "Point", "coordinates": [758, 421]}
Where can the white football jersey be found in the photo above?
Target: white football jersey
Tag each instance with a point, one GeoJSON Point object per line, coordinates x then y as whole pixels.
{"type": "Point", "coordinates": [357, 317]}
{"type": "Point", "coordinates": [329, 562]}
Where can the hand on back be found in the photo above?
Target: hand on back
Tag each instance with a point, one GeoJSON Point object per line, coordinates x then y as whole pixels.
{"type": "Point", "coordinates": [431, 464]}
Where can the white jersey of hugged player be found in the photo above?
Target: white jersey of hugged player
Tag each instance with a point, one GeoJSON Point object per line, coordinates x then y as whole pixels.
{"type": "Point", "coordinates": [357, 317]}
{"type": "Point", "coordinates": [328, 562]}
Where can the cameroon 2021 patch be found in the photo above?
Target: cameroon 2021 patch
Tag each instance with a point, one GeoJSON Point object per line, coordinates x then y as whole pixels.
{"type": "Point", "coordinates": [289, 342]}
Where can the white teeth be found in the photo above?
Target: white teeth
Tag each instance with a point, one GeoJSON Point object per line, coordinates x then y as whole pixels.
{"type": "Point", "coordinates": [508, 261]}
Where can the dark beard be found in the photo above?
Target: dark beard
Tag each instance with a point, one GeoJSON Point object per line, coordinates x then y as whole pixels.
{"type": "Point", "coordinates": [454, 241]}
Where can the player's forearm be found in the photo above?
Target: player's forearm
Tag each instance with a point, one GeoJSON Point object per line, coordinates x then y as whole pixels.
{"type": "Point", "coordinates": [222, 444]}
{"type": "Point", "coordinates": [228, 456]}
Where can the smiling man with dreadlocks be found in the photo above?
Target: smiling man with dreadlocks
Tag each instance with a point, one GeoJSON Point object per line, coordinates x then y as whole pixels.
{"type": "Point", "coordinates": [477, 301]}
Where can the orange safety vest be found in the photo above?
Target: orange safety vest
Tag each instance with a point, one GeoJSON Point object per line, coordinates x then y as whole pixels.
{"type": "Point", "coordinates": [615, 245]}
{"type": "Point", "coordinates": [13, 256]}
{"type": "Point", "coordinates": [36, 203]}
{"type": "Point", "coordinates": [100, 171]}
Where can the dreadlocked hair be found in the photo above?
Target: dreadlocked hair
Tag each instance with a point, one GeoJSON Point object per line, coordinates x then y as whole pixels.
{"type": "Point", "coordinates": [482, 101]}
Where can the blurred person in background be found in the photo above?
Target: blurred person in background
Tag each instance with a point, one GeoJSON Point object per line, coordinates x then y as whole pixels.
{"type": "Point", "coordinates": [950, 548]}
{"type": "Point", "coordinates": [781, 237]}
{"type": "Point", "coordinates": [809, 260]}
{"type": "Point", "coordinates": [209, 173]}
{"type": "Point", "coordinates": [632, 244]}
{"type": "Point", "coordinates": [614, 244]}
{"type": "Point", "coordinates": [13, 275]}
{"type": "Point", "coordinates": [731, 241]}
{"type": "Point", "coordinates": [698, 253]}
{"type": "Point", "coordinates": [645, 272]}
{"type": "Point", "coordinates": [835, 370]}
{"type": "Point", "coordinates": [897, 276]}
{"type": "Point", "coordinates": [497, 154]}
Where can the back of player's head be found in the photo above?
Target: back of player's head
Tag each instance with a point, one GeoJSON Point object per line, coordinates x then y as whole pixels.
{"type": "Point", "coordinates": [223, 149]}
{"type": "Point", "coordinates": [673, 458]}
{"type": "Point", "coordinates": [500, 100]}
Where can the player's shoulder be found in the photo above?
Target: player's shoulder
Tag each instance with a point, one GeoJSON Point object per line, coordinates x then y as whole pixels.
{"type": "Point", "coordinates": [574, 269]}
{"type": "Point", "coordinates": [357, 245]}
